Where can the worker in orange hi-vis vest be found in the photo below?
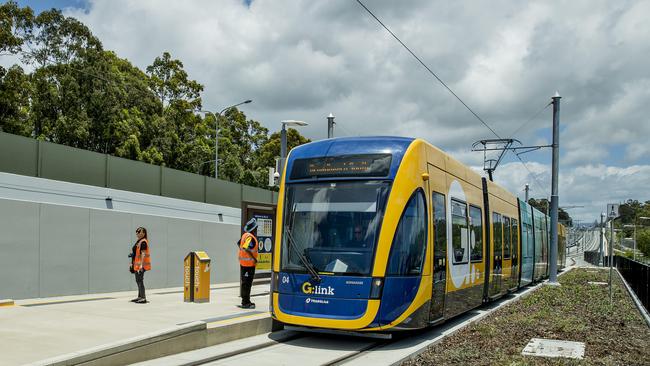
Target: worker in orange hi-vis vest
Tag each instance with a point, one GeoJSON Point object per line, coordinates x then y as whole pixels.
{"type": "Point", "coordinates": [247, 261]}
{"type": "Point", "coordinates": [140, 262]}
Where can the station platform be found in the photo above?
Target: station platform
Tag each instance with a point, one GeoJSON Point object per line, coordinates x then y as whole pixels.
{"type": "Point", "coordinates": [107, 328]}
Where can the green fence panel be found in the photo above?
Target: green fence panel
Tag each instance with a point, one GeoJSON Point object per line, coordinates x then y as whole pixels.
{"type": "Point", "coordinates": [183, 185]}
{"type": "Point", "coordinates": [253, 194]}
{"type": "Point", "coordinates": [134, 176]}
{"type": "Point", "coordinates": [18, 154]}
{"type": "Point", "coordinates": [72, 165]}
{"type": "Point", "coordinates": [221, 192]}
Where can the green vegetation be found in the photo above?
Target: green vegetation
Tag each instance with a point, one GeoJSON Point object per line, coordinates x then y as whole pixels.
{"type": "Point", "coordinates": [631, 213]}
{"type": "Point", "coordinates": [614, 334]}
{"type": "Point", "coordinates": [84, 96]}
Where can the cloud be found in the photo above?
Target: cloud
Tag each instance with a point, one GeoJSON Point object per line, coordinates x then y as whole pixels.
{"type": "Point", "coordinates": [591, 186]}
{"type": "Point", "coordinates": [305, 59]}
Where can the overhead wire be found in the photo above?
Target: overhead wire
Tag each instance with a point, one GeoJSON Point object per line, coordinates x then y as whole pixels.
{"type": "Point", "coordinates": [530, 119]}
{"type": "Point", "coordinates": [456, 96]}
{"type": "Point", "coordinates": [531, 174]}
{"type": "Point", "coordinates": [428, 68]}
{"type": "Point", "coordinates": [350, 133]}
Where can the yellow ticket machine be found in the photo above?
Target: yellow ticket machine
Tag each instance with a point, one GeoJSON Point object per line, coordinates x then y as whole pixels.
{"type": "Point", "coordinates": [196, 277]}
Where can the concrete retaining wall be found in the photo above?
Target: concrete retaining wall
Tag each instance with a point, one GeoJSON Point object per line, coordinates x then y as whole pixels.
{"type": "Point", "coordinates": [55, 238]}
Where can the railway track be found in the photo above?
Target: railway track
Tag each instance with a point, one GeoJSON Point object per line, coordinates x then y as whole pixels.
{"type": "Point", "coordinates": [288, 347]}
{"type": "Point", "coordinates": [303, 349]}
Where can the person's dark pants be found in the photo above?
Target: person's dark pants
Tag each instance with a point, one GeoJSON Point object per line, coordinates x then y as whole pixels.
{"type": "Point", "coordinates": [246, 282]}
{"type": "Point", "coordinates": [139, 279]}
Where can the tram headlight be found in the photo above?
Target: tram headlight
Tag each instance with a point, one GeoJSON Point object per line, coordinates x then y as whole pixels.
{"type": "Point", "coordinates": [377, 287]}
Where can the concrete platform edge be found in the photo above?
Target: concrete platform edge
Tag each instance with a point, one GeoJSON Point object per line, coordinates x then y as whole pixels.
{"type": "Point", "coordinates": [183, 338]}
{"type": "Point", "coordinates": [93, 353]}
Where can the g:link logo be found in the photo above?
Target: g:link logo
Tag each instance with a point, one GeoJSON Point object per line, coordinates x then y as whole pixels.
{"type": "Point", "coordinates": [310, 289]}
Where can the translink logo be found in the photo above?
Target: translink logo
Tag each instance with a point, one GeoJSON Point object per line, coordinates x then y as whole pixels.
{"type": "Point", "coordinates": [310, 289]}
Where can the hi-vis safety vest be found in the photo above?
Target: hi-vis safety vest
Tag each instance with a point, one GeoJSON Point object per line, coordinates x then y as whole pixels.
{"type": "Point", "coordinates": [138, 262]}
{"type": "Point", "coordinates": [247, 259]}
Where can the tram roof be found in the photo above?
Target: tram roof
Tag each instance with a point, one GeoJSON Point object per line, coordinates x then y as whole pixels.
{"type": "Point", "coordinates": [341, 146]}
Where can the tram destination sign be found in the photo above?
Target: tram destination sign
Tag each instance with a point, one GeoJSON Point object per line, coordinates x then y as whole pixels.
{"type": "Point", "coordinates": [365, 165]}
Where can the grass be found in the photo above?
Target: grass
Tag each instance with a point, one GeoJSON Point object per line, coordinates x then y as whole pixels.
{"type": "Point", "coordinates": [614, 334]}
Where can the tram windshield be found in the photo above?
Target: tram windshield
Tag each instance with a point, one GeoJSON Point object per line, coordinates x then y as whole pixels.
{"type": "Point", "coordinates": [332, 227]}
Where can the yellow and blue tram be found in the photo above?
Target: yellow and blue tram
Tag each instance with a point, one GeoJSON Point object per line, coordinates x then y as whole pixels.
{"type": "Point", "coordinates": [380, 234]}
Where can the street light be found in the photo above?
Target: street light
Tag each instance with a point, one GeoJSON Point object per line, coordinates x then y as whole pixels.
{"type": "Point", "coordinates": [216, 129]}
{"type": "Point", "coordinates": [283, 139]}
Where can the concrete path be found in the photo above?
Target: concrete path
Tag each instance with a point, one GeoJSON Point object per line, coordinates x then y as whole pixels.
{"type": "Point", "coordinates": [575, 255]}
{"type": "Point", "coordinates": [38, 329]}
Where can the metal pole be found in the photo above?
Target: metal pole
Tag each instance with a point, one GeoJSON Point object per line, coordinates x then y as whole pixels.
{"type": "Point", "coordinates": [611, 256]}
{"type": "Point", "coordinates": [216, 145]}
{"type": "Point", "coordinates": [283, 148]}
{"type": "Point", "coordinates": [600, 234]}
{"type": "Point", "coordinates": [554, 189]}
{"type": "Point", "coordinates": [527, 189]}
{"type": "Point", "coordinates": [634, 248]}
{"type": "Point", "coordinates": [330, 126]}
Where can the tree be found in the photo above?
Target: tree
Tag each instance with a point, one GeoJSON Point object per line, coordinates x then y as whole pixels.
{"type": "Point", "coordinates": [15, 89]}
{"type": "Point", "coordinates": [239, 142]}
{"type": "Point", "coordinates": [271, 149]}
{"type": "Point", "coordinates": [57, 39]}
{"type": "Point", "coordinates": [643, 241]}
{"type": "Point", "coordinates": [81, 95]}
{"type": "Point", "coordinates": [170, 82]}
{"type": "Point", "coordinates": [15, 27]}
{"type": "Point", "coordinates": [629, 210]}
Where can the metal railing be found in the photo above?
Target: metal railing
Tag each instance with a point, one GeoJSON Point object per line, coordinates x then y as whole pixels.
{"type": "Point", "coordinates": [637, 276]}
{"type": "Point", "coordinates": [591, 257]}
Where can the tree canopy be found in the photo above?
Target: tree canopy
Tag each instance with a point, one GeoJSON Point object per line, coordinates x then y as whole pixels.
{"type": "Point", "coordinates": [84, 96]}
{"type": "Point", "coordinates": [634, 214]}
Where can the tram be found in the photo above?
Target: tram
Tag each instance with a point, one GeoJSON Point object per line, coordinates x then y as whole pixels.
{"type": "Point", "coordinates": [383, 234]}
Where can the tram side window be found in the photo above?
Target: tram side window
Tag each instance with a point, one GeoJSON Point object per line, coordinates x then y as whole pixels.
{"type": "Point", "coordinates": [506, 237]}
{"type": "Point", "coordinates": [515, 235]}
{"type": "Point", "coordinates": [440, 224]}
{"type": "Point", "coordinates": [527, 241]}
{"type": "Point", "coordinates": [459, 231]}
{"type": "Point", "coordinates": [498, 234]}
{"type": "Point", "coordinates": [476, 233]}
{"type": "Point", "coordinates": [410, 241]}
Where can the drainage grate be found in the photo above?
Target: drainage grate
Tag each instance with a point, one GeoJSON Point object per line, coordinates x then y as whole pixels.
{"type": "Point", "coordinates": [554, 348]}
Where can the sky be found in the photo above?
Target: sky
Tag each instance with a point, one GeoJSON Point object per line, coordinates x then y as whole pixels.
{"type": "Point", "coordinates": [301, 59]}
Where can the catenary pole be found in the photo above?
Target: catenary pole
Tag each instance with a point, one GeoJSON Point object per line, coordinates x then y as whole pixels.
{"type": "Point", "coordinates": [527, 189]}
{"type": "Point", "coordinates": [611, 256]}
{"type": "Point", "coordinates": [283, 147]}
{"type": "Point", "coordinates": [330, 126]}
{"type": "Point", "coordinates": [554, 190]}
{"type": "Point", "coordinates": [600, 237]}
